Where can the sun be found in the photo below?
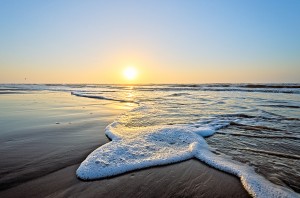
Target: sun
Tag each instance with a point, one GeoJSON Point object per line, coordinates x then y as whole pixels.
{"type": "Point", "coordinates": [130, 73]}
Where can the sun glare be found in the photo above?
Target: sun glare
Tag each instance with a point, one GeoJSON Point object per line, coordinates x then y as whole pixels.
{"type": "Point", "coordinates": [130, 73]}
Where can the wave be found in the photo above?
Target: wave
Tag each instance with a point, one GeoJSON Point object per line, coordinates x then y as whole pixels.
{"type": "Point", "coordinates": [263, 88]}
{"type": "Point", "coordinates": [295, 137]}
{"type": "Point", "coordinates": [282, 106]}
{"type": "Point", "coordinates": [179, 94]}
{"type": "Point", "coordinates": [13, 92]}
{"type": "Point", "coordinates": [272, 86]}
{"type": "Point", "coordinates": [222, 89]}
{"type": "Point", "coordinates": [251, 127]}
{"type": "Point", "coordinates": [285, 155]}
{"type": "Point", "coordinates": [277, 86]}
{"type": "Point", "coordinates": [135, 148]}
{"type": "Point", "coordinates": [87, 95]}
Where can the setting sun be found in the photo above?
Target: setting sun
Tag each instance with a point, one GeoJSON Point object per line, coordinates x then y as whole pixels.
{"type": "Point", "coordinates": [130, 73]}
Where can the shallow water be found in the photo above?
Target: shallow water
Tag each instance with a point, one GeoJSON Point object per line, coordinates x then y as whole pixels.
{"type": "Point", "coordinates": [257, 125]}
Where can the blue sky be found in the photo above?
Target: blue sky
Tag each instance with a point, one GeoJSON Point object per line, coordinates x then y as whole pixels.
{"type": "Point", "coordinates": [183, 41]}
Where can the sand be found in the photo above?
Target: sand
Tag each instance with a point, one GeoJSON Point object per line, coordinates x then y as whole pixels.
{"type": "Point", "coordinates": [45, 136]}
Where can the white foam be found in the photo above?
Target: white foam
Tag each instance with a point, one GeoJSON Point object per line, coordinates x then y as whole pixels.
{"type": "Point", "coordinates": [80, 94]}
{"type": "Point", "coordinates": [154, 147]}
{"type": "Point", "coordinates": [91, 95]}
{"type": "Point", "coordinates": [135, 148]}
{"type": "Point", "coordinates": [256, 185]}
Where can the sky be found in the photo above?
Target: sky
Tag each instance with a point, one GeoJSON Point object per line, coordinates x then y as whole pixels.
{"type": "Point", "coordinates": [166, 41]}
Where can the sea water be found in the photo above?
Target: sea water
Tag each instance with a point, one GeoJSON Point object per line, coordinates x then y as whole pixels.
{"type": "Point", "coordinates": [251, 131]}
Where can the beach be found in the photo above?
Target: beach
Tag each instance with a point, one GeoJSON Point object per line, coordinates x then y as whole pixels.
{"type": "Point", "coordinates": [46, 135]}
{"type": "Point", "coordinates": [150, 99]}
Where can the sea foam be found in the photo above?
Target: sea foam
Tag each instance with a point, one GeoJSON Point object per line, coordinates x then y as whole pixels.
{"type": "Point", "coordinates": [88, 95]}
{"type": "Point", "coordinates": [135, 148]}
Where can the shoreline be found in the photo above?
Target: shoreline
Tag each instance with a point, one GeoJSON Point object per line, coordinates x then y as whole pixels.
{"type": "Point", "coordinates": [41, 156]}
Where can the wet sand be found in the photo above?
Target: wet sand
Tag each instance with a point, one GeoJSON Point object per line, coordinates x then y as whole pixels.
{"type": "Point", "coordinates": [186, 179]}
{"type": "Point", "coordinates": [45, 136]}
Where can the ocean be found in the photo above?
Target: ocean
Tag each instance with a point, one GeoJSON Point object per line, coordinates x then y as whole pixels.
{"type": "Point", "coordinates": [248, 130]}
